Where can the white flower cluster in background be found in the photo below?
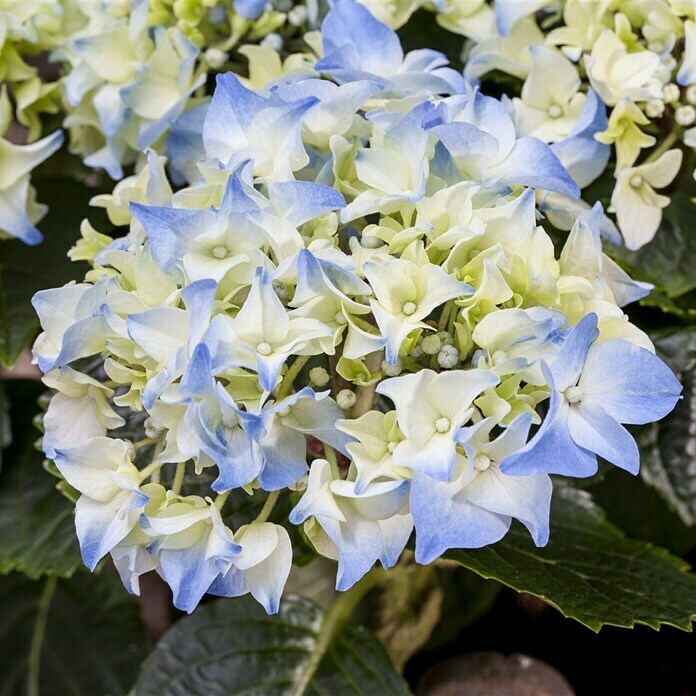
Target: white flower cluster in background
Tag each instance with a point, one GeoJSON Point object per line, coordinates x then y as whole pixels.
{"type": "Point", "coordinates": [637, 58]}
{"type": "Point", "coordinates": [121, 71]}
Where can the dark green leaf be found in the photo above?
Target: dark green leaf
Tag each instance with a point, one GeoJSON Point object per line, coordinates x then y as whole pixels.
{"type": "Point", "coordinates": [37, 532]}
{"type": "Point", "coordinates": [590, 571]}
{"type": "Point", "coordinates": [5, 427]}
{"type": "Point", "coordinates": [641, 511]}
{"type": "Point", "coordinates": [230, 646]}
{"type": "Point", "coordinates": [668, 448]}
{"type": "Point", "coordinates": [92, 643]}
{"type": "Point", "coordinates": [26, 270]}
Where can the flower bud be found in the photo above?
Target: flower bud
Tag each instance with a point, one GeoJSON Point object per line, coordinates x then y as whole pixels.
{"type": "Point", "coordinates": [431, 344]}
{"type": "Point", "coordinates": [448, 357]}
{"type": "Point", "coordinates": [319, 376]}
{"type": "Point", "coordinates": [392, 370]}
{"type": "Point", "coordinates": [685, 115]}
{"type": "Point", "coordinates": [346, 399]}
{"type": "Point", "coordinates": [655, 108]}
{"type": "Point", "coordinates": [670, 93]}
{"type": "Point", "coordinates": [215, 58]}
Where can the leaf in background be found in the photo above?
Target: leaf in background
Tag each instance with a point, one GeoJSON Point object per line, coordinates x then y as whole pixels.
{"type": "Point", "coordinates": [80, 636]}
{"type": "Point", "coordinates": [25, 270]}
{"type": "Point", "coordinates": [408, 607]}
{"type": "Point", "coordinates": [230, 646]}
{"type": "Point", "coordinates": [641, 511]}
{"type": "Point", "coordinates": [37, 531]}
{"type": "Point", "coordinates": [668, 448]}
{"type": "Point", "coordinates": [5, 426]}
{"type": "Point", "coordinates": [590, 571]}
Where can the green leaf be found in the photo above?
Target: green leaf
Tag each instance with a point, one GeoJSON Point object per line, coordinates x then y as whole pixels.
{"type": "Point", "coordinates": [25, 270]}
{"type": "Point", "coordinates": [667, 447]}
{"type": "Point", "coordinates": [230, 646]}
{"type": "Point", "coordinates": [641, 511]}
{"type": "Point", "coordinates": [590, 571]}
{"type": "Point", "coordinates": [5, 426]}
{"type": "Point", "coordinates": [37, 531]}
{"type": "Point", "coordinates": [69, 637]}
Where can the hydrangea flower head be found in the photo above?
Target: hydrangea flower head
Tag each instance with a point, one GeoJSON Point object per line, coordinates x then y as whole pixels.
{"type": "Point", "coordinates": [348, 318]}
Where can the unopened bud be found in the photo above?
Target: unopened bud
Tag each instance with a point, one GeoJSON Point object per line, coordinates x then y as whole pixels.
{"type": "Point", "coordinates": [346, 399]}
{"type": "Point", "coordinates": [319, 376]}
{"type": "Point", "coordinates": [655, 108]}
{"type": "Point", "coordinates": [685, 115]}
{"type": "Point", "coordinates": [670, 93]}
{"type": "Point", "coordinates": [448, 357]}
{"type": "Point", "coordinates": [215, 58]}
{"type": "Point", "coordinates": [392, 370]}
{"type": "Point", "coordinates": [431, 344]}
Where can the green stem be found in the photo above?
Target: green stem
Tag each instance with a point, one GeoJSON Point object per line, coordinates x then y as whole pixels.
{"type": "Point", "coordinates": [290, 375]}
{"type": "Point", "coordinates": [153, 468]}
{"type": "Point", "coordinates": [365, 395]}
{"type": "Point", "coordinates": [334, 619]}
{"type": "Point", "coordinates": [330, 454]}
{"type": "Point", "coordinates": [660, 150]}
{"type": "Point", "coordinates": [444, 317]}
{"type": "Point", "coordinates": [268, 506]}
{"type": "Point", "coordinates": [144, 443]}
{"type": "Point", "coordinates": [362, 324]}
{"type": "Point", "coordinates": [178, 477]}
{"type": "Point", "coordinates": [38, 636]}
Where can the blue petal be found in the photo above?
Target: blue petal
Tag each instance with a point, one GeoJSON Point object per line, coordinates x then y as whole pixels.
{"type": "Point", "coordinates": [630, 383]}
{"type": "Point", "coordinates": [445, 519]}
{"type": "Point", "coordinates": [593, 429]}
{"type": "Point", "coordinates": [568, 365]}
{"type": "Point", "coordinates": [584, 157]}
{"type": "Point", "coordinates": [301, 201]}
{"type": "Point", "coordinates": [533, 163]}
{"type": "Point", "coordinates": [188, 573]}
{"type": "Point", "coordinates": [185, 145]}
{"type": "Point", "coordinates": [238, 464]}
{"type": "Point", "coordinates": [552, 450]}
{"type": "Point", "coordinates": [231, 584]}
{"type": "Point", "coordinates": [285, 458]}
{"type": "Point", "coordinates": [172, 231]}
{"type": "Point", "coordinates": [373, 46]}
{"type": "Point", "coordinates": [249, 9]}
{"type": "Point", "coordinates": [198, 379]}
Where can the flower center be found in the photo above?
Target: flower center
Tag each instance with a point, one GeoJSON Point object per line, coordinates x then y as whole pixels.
{"type": "Point", "coordinates": [230, 421]}
{"type": "Point", "coordinates": [555, 111]}
{"type": "Point", "coordinates": [442, 425]}
{"type": "Point", "coordinates": [481, 462]}
{"type": "Point", "coordinates": [220, 252]}
{"type": "Point", "coordinates": [264, 349]}
{"type": "Point", "coordinates": [573, 394]}
{"type": "Point", "coordinates": [392, 446]}
{"type": "Point", "coordinates": [409, 308]}
{"type": "Point", "coordinates": [636, 180]}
